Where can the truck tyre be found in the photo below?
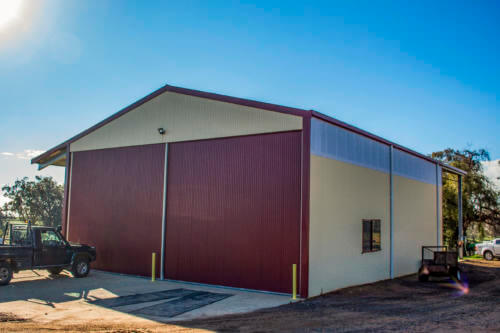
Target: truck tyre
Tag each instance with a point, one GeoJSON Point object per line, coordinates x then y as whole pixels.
{"type": "Point", "coordinates": [488, 255]}
{"type": "Point", "coordinates": [55, 270]}
{"type": "Point", "coordinates": [5, 273]}
{"type": "Point", "coordinates": [81, 267]}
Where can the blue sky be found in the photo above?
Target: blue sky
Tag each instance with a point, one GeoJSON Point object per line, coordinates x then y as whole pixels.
{"type": "Point", "coordinates": [423, 74]}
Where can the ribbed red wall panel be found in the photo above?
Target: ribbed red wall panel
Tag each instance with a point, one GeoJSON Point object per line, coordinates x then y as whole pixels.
{"type": "Point", "coordinates": [233, 211]}
{"type": "Point", "coordinates": [116, 205]}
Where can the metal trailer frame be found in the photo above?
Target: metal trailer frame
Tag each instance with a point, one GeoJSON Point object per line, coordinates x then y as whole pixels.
{"type": "Point", "coordinates": [443, 263]}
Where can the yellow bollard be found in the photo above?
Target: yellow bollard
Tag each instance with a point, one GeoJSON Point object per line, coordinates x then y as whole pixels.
{"type": "Point", "coordinates": [153, 262]}
{"type": "Point", "coordinates": [294, 281]}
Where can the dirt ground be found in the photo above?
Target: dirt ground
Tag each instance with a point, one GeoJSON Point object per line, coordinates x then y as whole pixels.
{"type": "Point", "coordinates": [396, 305]}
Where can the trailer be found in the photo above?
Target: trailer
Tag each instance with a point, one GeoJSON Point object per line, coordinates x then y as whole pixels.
{"type": "Point", "coordinates": [438, 261]}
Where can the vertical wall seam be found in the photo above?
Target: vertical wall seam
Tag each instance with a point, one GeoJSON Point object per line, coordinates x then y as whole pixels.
{"type": "Point", "coordinates": [64, 213]}
{"type": "Point", "coordinates": [460, 218]}
{"type": "Point", "coordinates": [164, 215]}
{"type": "Point", "coordinates": [391, 212]}
{"type": "Point", "coordinates": [69, 194]}
{"type": "Point", "coordinates": [301, 204]}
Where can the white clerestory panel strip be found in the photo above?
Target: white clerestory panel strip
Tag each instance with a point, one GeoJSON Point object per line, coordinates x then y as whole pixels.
{"type": "Point", "coordinates": [334, 142]}
{"type": "Point", "coordinates": [412, 167]}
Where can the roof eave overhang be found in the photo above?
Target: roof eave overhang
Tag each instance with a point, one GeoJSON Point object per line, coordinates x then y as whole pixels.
{"type": "Point", "coordinates": [50, 157]}
{"type": "Point", "coordinates": [451, 169]}
{"type": "Point", "coordinates": [58, 159]}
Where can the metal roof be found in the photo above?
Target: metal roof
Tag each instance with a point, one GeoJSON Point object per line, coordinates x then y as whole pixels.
{"type": "Point", "coordinates": [57, 151]}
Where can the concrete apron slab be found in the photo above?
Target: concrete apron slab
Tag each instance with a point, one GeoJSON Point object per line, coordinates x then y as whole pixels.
{"type": "Point", "coordinates": [100, 296]}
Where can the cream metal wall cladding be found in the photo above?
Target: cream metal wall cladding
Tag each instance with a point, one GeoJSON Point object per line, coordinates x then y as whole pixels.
{"type": "Point", "coordinates": [416, 214]}
{"type": "Point", "coordinates": [342, 195]}
{"type": "Point", "coordinates": [414, 222]}
{"type": "Point", "coordinates": [185, 118]}
{"type": "Point", "coordinates": [350, 181]}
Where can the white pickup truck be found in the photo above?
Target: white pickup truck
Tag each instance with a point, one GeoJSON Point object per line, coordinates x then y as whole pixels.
{"type": "Point", "coordinates": [489, 250]}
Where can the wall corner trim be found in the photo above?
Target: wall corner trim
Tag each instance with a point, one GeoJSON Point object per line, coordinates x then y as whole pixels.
{"type": "Point", "coordinates": [391, 210]}
{"type": "Point", "coordinates": [304, 231]}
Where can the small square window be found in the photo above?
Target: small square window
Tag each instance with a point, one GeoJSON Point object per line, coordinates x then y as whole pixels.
{"type": "Point", "coordinates": [371, 236]}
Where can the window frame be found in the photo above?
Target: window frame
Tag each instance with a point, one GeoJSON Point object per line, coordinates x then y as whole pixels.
{"type": "Point", "coordinates": [61, 240]}
{"type": "Point", "coordinates": [372, 227]}
{"type": "Point", "coordinates": [17, 235]}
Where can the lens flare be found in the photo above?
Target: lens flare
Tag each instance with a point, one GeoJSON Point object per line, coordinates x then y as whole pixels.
{"type": "Point", "coordinates": [461, 285]}
{"type": "Point", "coordinates": [9, 11]}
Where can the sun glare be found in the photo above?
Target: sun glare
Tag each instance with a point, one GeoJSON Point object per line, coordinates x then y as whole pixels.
{"type": "Point", "coordinates": [9, 11]}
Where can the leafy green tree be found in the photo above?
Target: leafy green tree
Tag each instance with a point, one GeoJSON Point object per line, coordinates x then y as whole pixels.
{"type": "Point", "coordinates": [39, 201]}
{"type": "Point", "coordinates": [480, 198]}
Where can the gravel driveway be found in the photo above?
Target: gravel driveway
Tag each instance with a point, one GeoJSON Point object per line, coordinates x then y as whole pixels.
{"type": "Point", "coordinates": [400, 305]}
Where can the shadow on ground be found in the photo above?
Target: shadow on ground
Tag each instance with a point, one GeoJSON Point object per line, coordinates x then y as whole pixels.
{"type": "Point", "coordinates": [36, 295]}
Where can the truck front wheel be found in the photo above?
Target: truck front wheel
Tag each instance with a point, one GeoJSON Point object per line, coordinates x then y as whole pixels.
{"type": "Point", "coordinates": [488, 255]}
{"type": "Point", "coordinates": [5, 273]}
{"type": "Point", "coordinates": [81, 267]}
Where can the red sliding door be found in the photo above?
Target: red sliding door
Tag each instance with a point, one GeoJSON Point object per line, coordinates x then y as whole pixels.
{"type": "Point", "coordinates": [116, 205]}
{"type": "Point", "coordinates": [233, 211]}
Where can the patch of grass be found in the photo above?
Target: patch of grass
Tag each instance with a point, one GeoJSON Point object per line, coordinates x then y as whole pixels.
{"type": "Point", "coordinates": [474, 256]}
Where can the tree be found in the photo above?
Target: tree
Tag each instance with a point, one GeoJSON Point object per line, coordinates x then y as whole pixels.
{"type": "Point", "coordinates": [4, 217]}
{"type": "Point", "coordinates": [480, 198]}
{"type": "Point", "coordinates": [39, 201]}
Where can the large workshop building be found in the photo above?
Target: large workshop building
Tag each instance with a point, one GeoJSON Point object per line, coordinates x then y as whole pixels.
{"type": "Point", "coordinates": [233, 192]}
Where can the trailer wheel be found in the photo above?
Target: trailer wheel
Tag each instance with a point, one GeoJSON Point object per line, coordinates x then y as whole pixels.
{"type": "Point", "coordinates": [423, 276]}
{"type": "Point", "coordinates": [55, 270]}
{"type": "Point", "coordinates": [488, 255]}
{"type": "Point", "coordinates": [81, 267]}
{"type": "Point", "coordinates": [5, 273]}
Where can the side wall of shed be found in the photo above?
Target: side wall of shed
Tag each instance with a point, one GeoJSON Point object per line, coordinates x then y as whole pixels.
{"type": "Point", "coordinates": [342, 195]}
{"type": "Point", "coordinates": [415, 210]}
{"type": "Point", "coordinates": [351, 181]}
{"type": "Point", "coordinates": [415, 222]}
